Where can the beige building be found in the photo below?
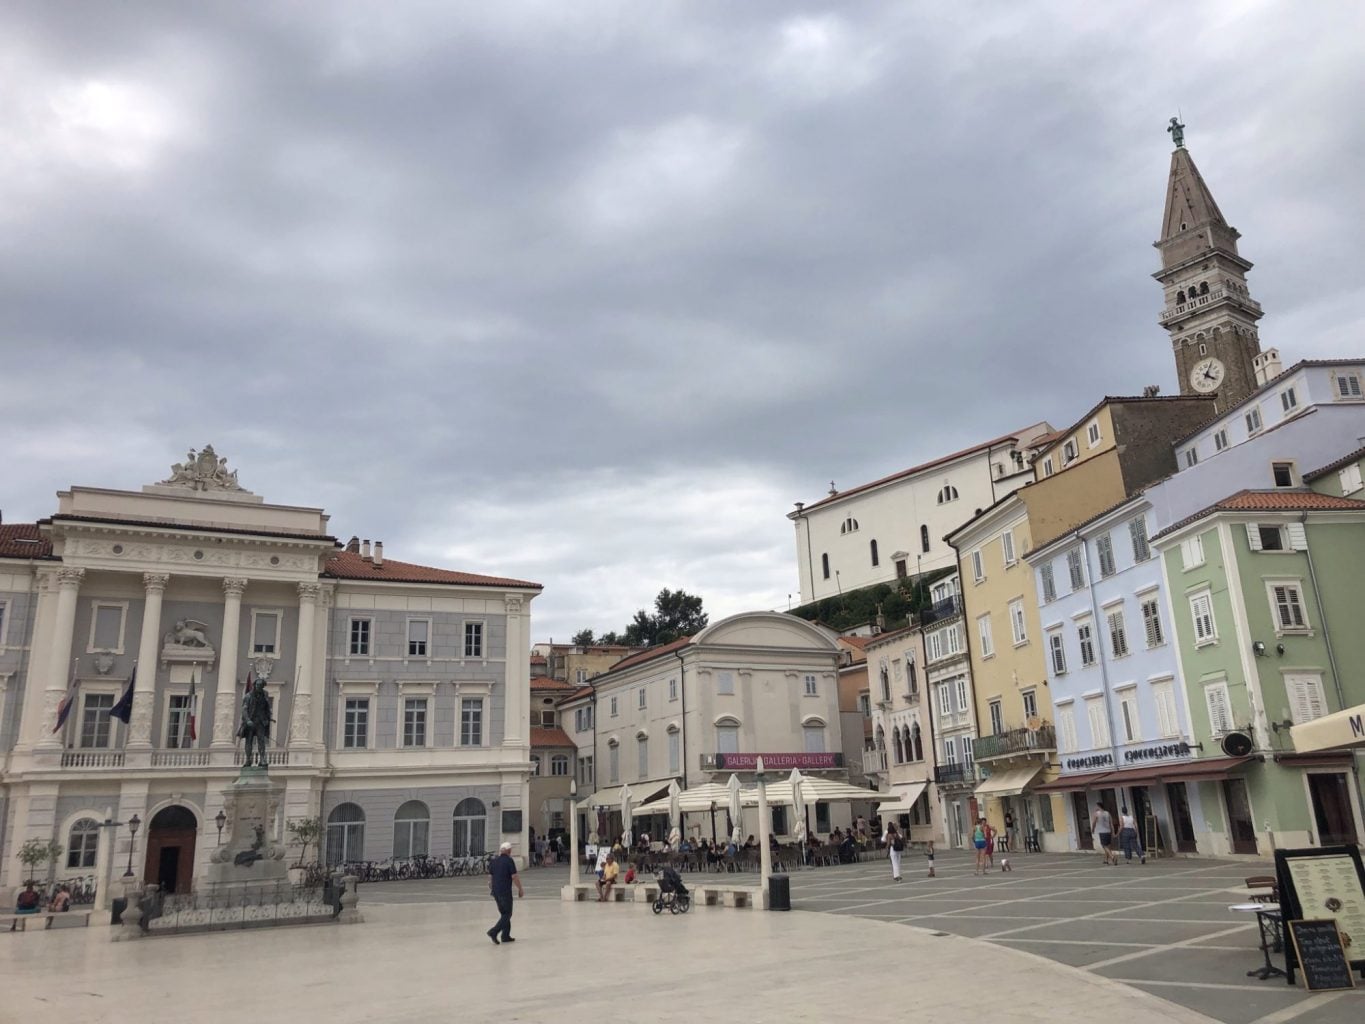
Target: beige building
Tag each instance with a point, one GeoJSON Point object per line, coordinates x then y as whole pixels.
{"type": "Point", "coordinates": [553, 758]}
{"type": "Point", "coordinates": [900, 752]}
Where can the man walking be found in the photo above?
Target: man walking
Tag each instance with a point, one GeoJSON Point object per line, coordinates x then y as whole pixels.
{"type": "Point", "coordinates": [502, 875]}
{"type": "Point", "coordinates": [1102, 824]}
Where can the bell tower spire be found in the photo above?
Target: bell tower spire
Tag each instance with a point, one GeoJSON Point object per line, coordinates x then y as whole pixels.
{"type": "Point", "coordinates": [1208, 311]}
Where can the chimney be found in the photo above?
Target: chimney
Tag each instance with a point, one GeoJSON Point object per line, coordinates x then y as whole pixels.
{"type": "Point", "coordinates": [365, 550]}
{"type": "Point", "coordinates": [353, 545]}
{"type": "Point", "coordinates": [1268, 366]}
{"type": "Point", "coordinates": [379, 552]}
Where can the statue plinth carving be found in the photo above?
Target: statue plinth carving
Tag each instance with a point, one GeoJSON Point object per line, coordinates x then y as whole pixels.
{"type": "Point", "coordinates": [249, 856]}
{"type": "Point", "coordinates": [187, 642]}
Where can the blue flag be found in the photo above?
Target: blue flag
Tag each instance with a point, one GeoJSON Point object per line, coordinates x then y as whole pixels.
{"type": "Point", "coordinates": [123, 710]}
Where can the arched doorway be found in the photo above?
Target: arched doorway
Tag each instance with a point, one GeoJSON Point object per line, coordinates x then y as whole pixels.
{"type": "Point", "coordinates": [170, 849]}
{"type": "Point", "coordinates": [345, 834]}
{"type": "Point", "coordinates": [470, 824]}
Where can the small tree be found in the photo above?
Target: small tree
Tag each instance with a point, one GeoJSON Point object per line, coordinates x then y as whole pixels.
{"type": "Point", "coordinates": [38, 851]}
{"type": "Point", "coordinates": [304, 831]}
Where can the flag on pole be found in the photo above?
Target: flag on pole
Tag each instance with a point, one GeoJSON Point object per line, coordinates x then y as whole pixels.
{"type": "Point", "coordinates": [250, 679]}
{"type": "Point", "coordinates": [64, 708]}
{"type": "Point", "coordinates": [188, 733]}
{"type": "Point", "coordinates": [123, 710]}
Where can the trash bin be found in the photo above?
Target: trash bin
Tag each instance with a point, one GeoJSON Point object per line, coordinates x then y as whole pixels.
{"type": "Point", "coordinates": [116, 908]}
{"type": "Point", "coordinates": [779, 892]}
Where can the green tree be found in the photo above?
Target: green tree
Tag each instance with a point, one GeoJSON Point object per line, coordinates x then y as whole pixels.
{"type": "Point", "coordinates": [304, 831]}
{"type": "Point", "coordinates": [676, 614]}
{"type": "Point", "coordinates": [38, 851]}
{"type": "Point", "coordinates": [583, 638]}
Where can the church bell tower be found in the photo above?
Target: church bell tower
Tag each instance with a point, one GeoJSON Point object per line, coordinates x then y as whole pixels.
{"type": "Point", "coordinates": [1210, 315]}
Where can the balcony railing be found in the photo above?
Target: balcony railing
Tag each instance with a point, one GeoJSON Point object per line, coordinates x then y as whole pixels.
{"type": "Point", "coordinates": [274, 758]}
{"type": "Point", "coordinates": [1015, 741]}
{"type": "Point", "coordinates": [1196, 301]}
{"type": "Point", "coordinates": [874, 761]}
{"type": "Point", "coordinates": [180, 758]}
{"type": "Point", "coordinates": [944, 609]}
{"type": "Point", "coordinates": [948, 774]}
{"type": "Point", "coordinates": [92, 759]}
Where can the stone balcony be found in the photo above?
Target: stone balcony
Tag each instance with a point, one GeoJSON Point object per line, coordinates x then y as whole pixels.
{"type": "Point", "coordinates": [1214, 295]}
{"type": "Point", "coordinates": [178, 758]}
{"type": "Point", "coordinates": [1013, 742]}
{"type": "Point", "coordinates": [874, 762]}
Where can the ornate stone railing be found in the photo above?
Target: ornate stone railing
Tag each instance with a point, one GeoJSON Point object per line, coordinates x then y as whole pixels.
{"type": "Point", "coordinates": [874, 761]}
{"type": "Point", "coordinates": [274, 758]}
{"type": "Point", "coordinates": [180, 758]}
{"type": "Point", "coordinates": [92, 759]}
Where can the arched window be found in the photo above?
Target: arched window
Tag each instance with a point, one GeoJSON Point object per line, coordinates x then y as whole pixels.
{"type": "Point", "coordinates": [727, 736]}
{"type": "Point", "coordinates": [1180, 298]}
{"type": "Point", "coordinates": [559, 764]}
{"type": "Point", "coordinates": [411, 830]}
{"type": "Point", "coordinates": [814, 731]}
{"type": "Point", "coordinates": [849, 525]}
{"type": "Point", "coordinates": [1203, 287]}
{"type": "Point", "coordinates": [881, 738]}
{"type": "Point", "coordinates": [897, 747]}
{"type": "Point", "coordinates": [947, 494]}
{"type": "Point", "coordinates": [924, 539]}
{"type": "Point", "coordinates": [916, 744]}
{"type": "Point", "coordinates": [345, 834]}
{"type": "Point", "coordinates": [873, 546]}
{"type": "Point", "coordinates": [824, 565]}
{"type": "Point", "coordinates": [82, 843]}
{"type": "Point", "coordinates": [886, 683]}
{"type": "Point", "coordinates": [470, 826]}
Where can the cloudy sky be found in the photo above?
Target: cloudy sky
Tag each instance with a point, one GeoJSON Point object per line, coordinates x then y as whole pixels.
{"type": "Point", "coordinates": [590, 293]}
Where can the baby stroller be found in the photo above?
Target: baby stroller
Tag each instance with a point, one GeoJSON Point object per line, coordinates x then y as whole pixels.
{"type": "Point", "coordinates": [673, 895]}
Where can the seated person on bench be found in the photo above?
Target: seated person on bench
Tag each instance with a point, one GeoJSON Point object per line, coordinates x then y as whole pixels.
{"type": "Point", "coordinates": [28, 902]}
{"type": "Point", "coordinates": [610, 870]}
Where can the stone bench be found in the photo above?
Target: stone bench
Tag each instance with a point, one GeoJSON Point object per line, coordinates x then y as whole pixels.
{"type": "Point", "coordinates": [19, 922]}
{"type": "Point", "coordinates": [737, 896]}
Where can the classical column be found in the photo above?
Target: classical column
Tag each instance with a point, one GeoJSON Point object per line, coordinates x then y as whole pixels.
{"type": "Point", "coordinates": [144, 687]}
{"type": "Point", "coordinates": [517, 675]}
{"type": "Point", "coordinates": [225, 699]}
{"type": "Point", "coordinates": [59, 654]}
{"type": "Point", "coordinates": [301, 717]}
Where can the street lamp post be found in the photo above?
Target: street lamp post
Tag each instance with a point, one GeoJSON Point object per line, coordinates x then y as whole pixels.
{"type": "Point", "coordinates": [765, 824]}
{"type": "Point", "coordinates": [573, 831]}
{"type": "Point", "coordinates": [133, 823]}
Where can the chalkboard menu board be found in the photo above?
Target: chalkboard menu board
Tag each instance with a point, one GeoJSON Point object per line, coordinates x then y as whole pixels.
{"type": "Point", "coordinates": [1323, 884]}
{"type": "Point", "coordinates": [1317, 945]}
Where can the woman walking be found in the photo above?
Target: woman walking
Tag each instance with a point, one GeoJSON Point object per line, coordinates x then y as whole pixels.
{"type": "Point", "coordinates": [979, 841]}
{"type": "Point", "coordinates": [895, 846]}
{"type": "Point", "coordinates": [1129, 840]}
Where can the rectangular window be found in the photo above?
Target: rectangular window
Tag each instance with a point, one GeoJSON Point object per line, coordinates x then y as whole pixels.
{"type": "Point", "coordinates": [2, 623]}
{"type": "Point", "coordinates": [1073, 566]}
{"type": "Point", "coordinates": [1128, 712]}
{"type": "Point", "coordinates": [950, 750]}
{"type": "Point", "coordinates": [1137, 533]}
{"type": "Point", "coordinates": [265, 632]}
{"type": "Point", "coordinates": [1092, 433]}
{"type": "Point", "coordinates": [814, 737]}
{"type": "Point", "coordinates": [1086, 636]}
{"type": "Point", "coordinates": [727, 739]}
{"type": "Point", "coordinates": [106, 628]}
{"type": "Point", "coordinates": [1057, 647]}
{"type": "Point", "coordinates": [1349, 478]}
{"type": "Point", "coordinates": [548, 720]}
{"type": "Point", "coordinates": [640, 700]}
{"type": "Point", "coordinates": [1048, 467]}
{"type": "Point", "coordinates": [580, 676]}
{"type": "Point", "coordinates": [95, 720]}
{"type": "Point", "coordinates": [865, 705]}
{"type": "Point", "coordinates": [178, 720]}
{"type": "Point", "coordinates": [968, 751]}
{"type": "Point", "coordinates": [1219, 707]}
{"type": "Point", "coordinates": [1305, 697]}
{"type": "Point", "coordinates": [812, 689]}
{"type": "Point", "coordinates": [1049, 584]}
{"type": "Point", "coordinates": [1017, 627]}
{"type": "Point", "coordinates": [962, 694]}
{"type": "Point", "coordinates": [360, 636]}
{"type": "Point", "coordinates": [1099, 722]}
{"type": "Point", "coordinates": [983, 628]}
{"type": "Point", "coordinates": [1151, 623]}
{"type": "Point", "coordinates": [1104, 550]}
{"type": "Point", "coordinates": [1191, 457]}
{"type": "Point", "coordinates": [934, 645]}
{"type": "Point", "coordinates": [414, 722]}
{"type": "Point", "coordinates": [1191, 553]}
{"type": "Point", "coordinates": [1066, 730]}
{"type": "Point", "coordinates": [672, 689]}
{"type": "Point", "coordinates": [945, 703]}
{"type": "Point", "coordinates": [1163, 696]}
{"type": "Point", "coordinates": [1118, 634]}
{"type": "Point", "coordinates": [1282, 473]}
{"type": "Point", "coordinates": [1348, 385]}
{"type": "Point", "coordinates": [997, 718]}
{"type": "Point", "coordinates": [824, 565]}
{"type": "Point", "coordinates": [1201, 611]}
{"type": "Point", "coordinates": [674, 752]}
{"type": "Point", "coordinates": [1253, 420]}
{"type": "Point", "coordinates": [614, 707]}
{"type": "Point", "coordinates": [1288, 400]}
{"type": "Point", "coordinates": [1030, 699]}
{"type": "Point", "coordinates": [642, 756]}
{"type": "Point", "coordinates": [419, 634]}
{"type": "Point", "coordinates": [1220, 439]}
{"type": "Point", "coordinates": [1287, 601]}
{"type": "Point", "coordinates": [1069, 452]}
{"type": "Point", "coordinates": [1264, 538]}
{"type": "Point", "coordinates": [471, 722]}
{"type": "Point", "coordinates": [1007, 546]}
{"type": "Point", "coordinates": [473, 639]}
{"type": "Point", "coordinates": [725, 682]}
{"type": "Point", "coordinates": [614, 763]}
{"type": "Point", "coordinates": [978, 571]}
{"type": "Point", "coordinates": [355, 731]}
{"type": "Point", "coordinates": [586, 775]}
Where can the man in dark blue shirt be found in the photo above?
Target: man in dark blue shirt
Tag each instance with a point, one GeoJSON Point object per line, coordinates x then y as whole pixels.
{"type": "Point", "coordinates": [502, 875]}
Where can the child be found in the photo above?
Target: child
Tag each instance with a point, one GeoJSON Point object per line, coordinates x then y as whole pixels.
{"type": "Point", "coordinates": [929, 856]}
{"type": "Point", "coordinates": [630, 874]}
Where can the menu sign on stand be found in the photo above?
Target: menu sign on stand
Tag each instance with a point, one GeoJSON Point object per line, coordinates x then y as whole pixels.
{"type": "Point", "coordinates": [1318, 948]}
{"type": "Point", "coordinates": [1317, 885]}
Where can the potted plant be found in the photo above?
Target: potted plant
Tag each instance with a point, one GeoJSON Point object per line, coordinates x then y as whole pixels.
{"type": "Point", "coordinates": [38, 851]}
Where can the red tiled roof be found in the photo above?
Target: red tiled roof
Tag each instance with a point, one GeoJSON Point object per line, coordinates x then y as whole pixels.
{"type": "Point", "coordinates": [347, 565]}
{"type": "Point", "coordinates": [1271, 501]}
{"type": "Point", "coordinates": [22, 540]}
{"type": "Point", "coordinates": [550, 737]}
{"type": "Point", "coordinates": [859, 642]}
{"type": "Point", "coordinates": [582, 691]}
{"type": "Point", "coordinates": [922, 467]}
{"type": "Point", "coordinates": [546, 683]}
{"type": "Point", "coordinates": [650, 653]}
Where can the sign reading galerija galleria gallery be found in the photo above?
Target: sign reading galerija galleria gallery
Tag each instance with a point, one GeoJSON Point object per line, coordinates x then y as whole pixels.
{"type": "Point", "coordinates": [778, 762]}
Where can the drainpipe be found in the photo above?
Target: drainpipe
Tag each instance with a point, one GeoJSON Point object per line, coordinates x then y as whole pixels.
{"type": "Point", "coordinates": [682, 696]}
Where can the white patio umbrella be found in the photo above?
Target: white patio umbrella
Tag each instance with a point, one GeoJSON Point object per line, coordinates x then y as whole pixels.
{"type": "Point", "coordinates": [674, 815]}
{"type": "Point", "coordinates": [798, 805]}
{"type": "Point", "coordinates": [736, 810]}
{"type": "Point", "coordinates": [627, 837]}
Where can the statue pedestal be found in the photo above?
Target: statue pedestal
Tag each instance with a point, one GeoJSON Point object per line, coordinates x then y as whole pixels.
{"type": "Point", "coordinates": [249, 857]}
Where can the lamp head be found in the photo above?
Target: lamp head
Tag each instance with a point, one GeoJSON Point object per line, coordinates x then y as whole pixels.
{"type": "Point", "coordinates": [1258, 648]}
{"type": "Point", "coordinates": [133, 824]}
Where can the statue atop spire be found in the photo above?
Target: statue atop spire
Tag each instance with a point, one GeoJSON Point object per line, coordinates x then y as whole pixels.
{"type": "Point", "coordinates": [1177, 131]}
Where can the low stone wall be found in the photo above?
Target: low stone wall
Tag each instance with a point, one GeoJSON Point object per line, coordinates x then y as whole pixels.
{"type": "Point", "coordinates": [742, 897]}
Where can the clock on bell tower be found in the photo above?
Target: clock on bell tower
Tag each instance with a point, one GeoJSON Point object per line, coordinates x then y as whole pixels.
{"type": "Point", "coordinates": [1209, 313]}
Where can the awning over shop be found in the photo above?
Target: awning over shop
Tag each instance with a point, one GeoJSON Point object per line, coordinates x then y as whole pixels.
{"type": "Point", "coordinates": [695, 798]}
{"type": "Point", "coordinates": [1009, 783]}
{"type": "Point", "coordinates": [901, 799]}
{"type": "Point", "coordinates": [650, 789]}
{"type": "Point", "coordinates": [1072, 783]}
{"type": "Point", "coordinates": [1204, 769]}
{"type": "Point", "coordinates": [814, 790]}
{"type": "Point", "coordinates": [1342, 730]}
